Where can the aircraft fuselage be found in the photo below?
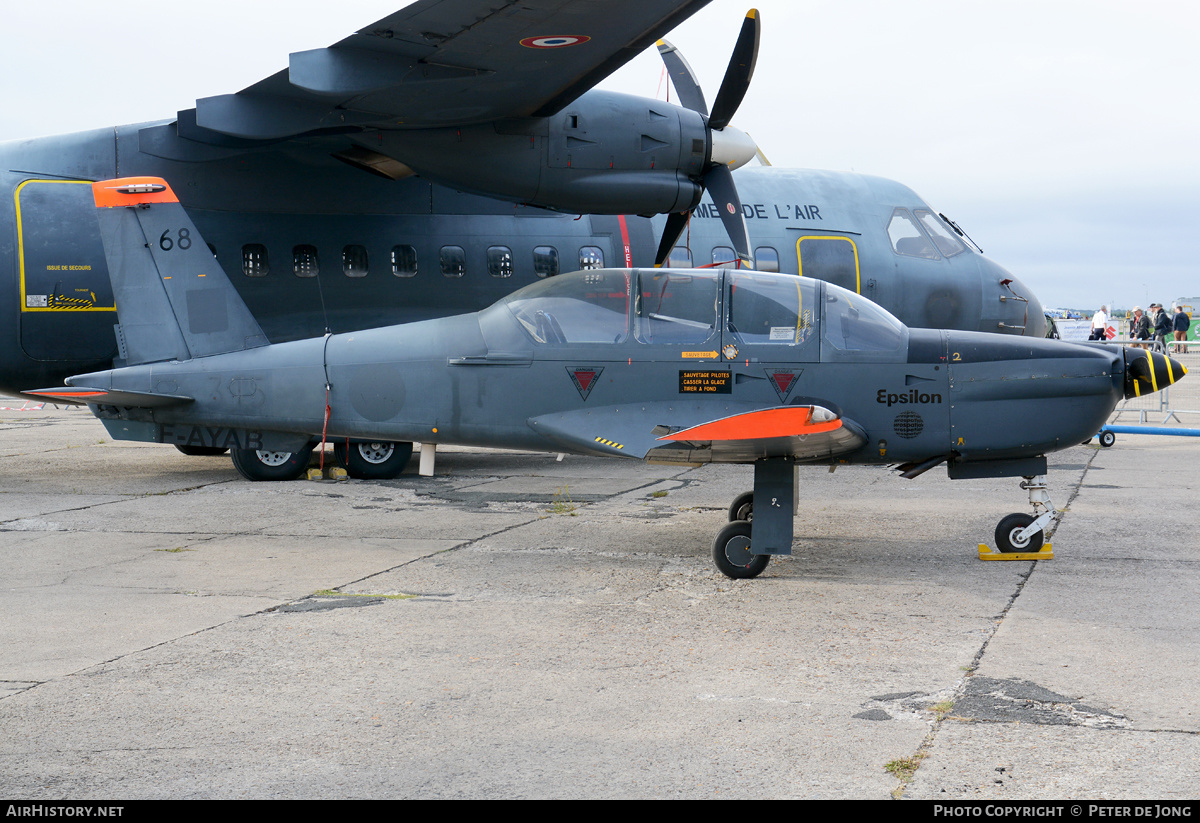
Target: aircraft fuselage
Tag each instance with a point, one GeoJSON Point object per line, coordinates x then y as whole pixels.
{"type": "Point", "coordinates": [312, 243]}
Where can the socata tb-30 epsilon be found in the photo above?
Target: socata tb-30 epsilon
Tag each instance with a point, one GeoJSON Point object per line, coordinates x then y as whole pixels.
{"type": "Point", "coordinates": [304, 186]}
{"type": "Point", "coordinates": [677, 365]}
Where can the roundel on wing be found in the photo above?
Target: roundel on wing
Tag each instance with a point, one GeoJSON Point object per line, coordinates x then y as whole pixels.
{"type": "Point", "coordinates": [554, 41]}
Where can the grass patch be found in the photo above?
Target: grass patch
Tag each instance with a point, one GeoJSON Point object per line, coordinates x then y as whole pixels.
{"type": "Point", "coordinates": [562, 503]}
{"type": "Point", "coordinates": [659, 494]}
{"type": "Point", "coordinates": [905, 767]}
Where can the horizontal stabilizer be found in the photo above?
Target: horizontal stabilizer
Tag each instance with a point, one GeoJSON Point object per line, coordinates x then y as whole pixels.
{"type": "Point", "coordinates": [80, 396]}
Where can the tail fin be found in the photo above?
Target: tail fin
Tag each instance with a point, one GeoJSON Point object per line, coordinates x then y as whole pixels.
{"type": "Point", "coordinates": [174, 302]}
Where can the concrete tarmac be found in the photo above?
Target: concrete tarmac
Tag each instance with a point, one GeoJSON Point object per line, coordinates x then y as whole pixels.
{"type": "Point", "coordinates": [523, 627]}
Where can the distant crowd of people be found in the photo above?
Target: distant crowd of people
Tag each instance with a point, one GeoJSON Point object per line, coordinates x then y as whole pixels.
{"type": "Point", "coordinates": [1149, 330]}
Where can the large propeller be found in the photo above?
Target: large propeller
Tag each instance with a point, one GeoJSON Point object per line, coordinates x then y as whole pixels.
{"type": "Point", "coordinates": [730, 147]}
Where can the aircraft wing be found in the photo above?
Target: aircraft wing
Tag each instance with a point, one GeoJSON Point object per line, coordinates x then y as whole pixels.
{"type": "Point", "coordinates": [688, 433]}
{"type": "Point", "coordinates": [444, 63]}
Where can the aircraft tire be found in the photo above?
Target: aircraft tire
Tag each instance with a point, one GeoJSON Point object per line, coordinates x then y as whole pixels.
{"type": "Point", "coordinates": [257, 465]}
{"type": "Point", "coordinates": [376, 460]}
{"type": "Point", "coordinates": [731, 552]}
{"type": "Point", "coordinates": [742, 507]}
{"type": "Point", "coordinates": [1107, 439]}
{"type": "Point", "coordinates": [1009, 526]}
{"type": "Point", "coordinates": [201, 451]}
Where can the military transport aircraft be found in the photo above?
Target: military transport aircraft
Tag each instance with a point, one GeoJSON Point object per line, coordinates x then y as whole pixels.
{"type": "Point", "coordinates": [304, 186]}
{"type": "Point", "coordinates": [678, 365]}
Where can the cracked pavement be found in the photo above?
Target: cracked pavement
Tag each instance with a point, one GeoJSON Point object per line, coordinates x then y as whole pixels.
{"type": "Point", "coordinates": [524, 627]}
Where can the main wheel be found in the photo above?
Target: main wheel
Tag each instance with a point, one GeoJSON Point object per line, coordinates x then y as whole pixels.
{"type": "Point", "coordinates": [742, 507]}
{"type": "Point", "coordinates": [1107, 438]}
{"type": "Point", "coordinates": [201, 451]}
{"type": "Point", "coordinates": [731, 552]}
{"type": "Point", "coordinates": [377, 460]}
{"type": "Point", "coordinates": [1006, 539]}
{"type": "Point", "coordinates": [258, 464]}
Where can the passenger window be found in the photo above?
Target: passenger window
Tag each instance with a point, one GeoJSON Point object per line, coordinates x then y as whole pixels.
{"type": "Point", "coordinates": [946, 242]}
{"type": "Point", "coordinates": [404, 261]}
{"type": "Point", "coordinates": [304, 261]}
{"type": "Point", "coordinates": [766, 258]}
{"type": "Point", "coordinates": [724, 256]}
{"type": "Point", "coordinates": [591, 257]}
{"type": "Point", "coordinates": [676, 309]}
{"type": "Point", "coordinates": [254, 260]}
{"type": "Point", "coordinates": [499, 261]}
{"type": "Point", "coordinates": [454, 261]}
{"type": "Point", "coordinates": [832, 259]}
{"type": "Point", "coordinates": [354, 261]}
{"type": "Point", "coordinates": [907, 237]}
{"type": "Point", "coordinates": [680, 258]}
{"type": "Point", "coordinates": [545, 261]}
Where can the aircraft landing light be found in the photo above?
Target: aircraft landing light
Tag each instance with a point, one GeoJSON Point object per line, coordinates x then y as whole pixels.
{"type": "Point", "coordinates": [141, 188]}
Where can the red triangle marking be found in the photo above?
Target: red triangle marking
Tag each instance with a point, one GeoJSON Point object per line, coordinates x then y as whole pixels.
{"type": "Point", "coordinates": [585, 379]}
{"type": "Point", "coordinates": [783, 380]}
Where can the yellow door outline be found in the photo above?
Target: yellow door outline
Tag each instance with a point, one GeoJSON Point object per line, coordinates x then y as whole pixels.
{"type": "Point", "coordinates": [853, 247]}
{"type": "Point", "coordinates": [21, 252]}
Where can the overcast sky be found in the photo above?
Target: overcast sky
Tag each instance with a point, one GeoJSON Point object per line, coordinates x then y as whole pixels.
{"type": "Point", "coordinates": [1062, 135]}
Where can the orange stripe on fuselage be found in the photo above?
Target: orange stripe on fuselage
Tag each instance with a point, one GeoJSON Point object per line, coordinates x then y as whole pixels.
{"type": "Point", "coordinates": [758, 425]}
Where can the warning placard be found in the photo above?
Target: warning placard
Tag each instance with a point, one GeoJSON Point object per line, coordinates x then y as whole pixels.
{"type": "Point", "coordinates": [710, 382]}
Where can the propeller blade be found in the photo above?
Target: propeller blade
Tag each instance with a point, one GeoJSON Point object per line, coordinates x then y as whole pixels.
{"type": "Point", "coordinates": [690, 94]}
{"type": "Point", "coordinates": [676, 223]}
{"type": "Point", "coordinates": [719, 182]}
{"type": "Point", "coordinates": [737, 76]}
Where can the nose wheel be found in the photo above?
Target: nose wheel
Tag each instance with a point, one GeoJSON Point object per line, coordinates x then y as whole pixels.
{"type": "Point", "coordinates": [1012, 534]}
{"type": "Point", "coordinates": [1021, 532]}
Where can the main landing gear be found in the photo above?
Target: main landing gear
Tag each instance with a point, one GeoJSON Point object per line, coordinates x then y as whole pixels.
{"type": "Point", "coordinates": [362, 460]}
{"type": "Point", "coordinates": [1022, 532]}
{"type": "Point", "coordinates": [374, 460]}
{"type": "Point", "coordinates": [260, 464]}
{"type": "Point", "coordinates": [760, 521]}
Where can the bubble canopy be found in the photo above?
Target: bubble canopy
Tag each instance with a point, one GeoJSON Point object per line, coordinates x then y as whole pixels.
{"type": "Point", "coordinates": [689, 307]}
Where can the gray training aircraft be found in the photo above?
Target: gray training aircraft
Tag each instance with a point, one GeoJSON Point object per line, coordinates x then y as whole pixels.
{"type": "Point", "coordinates": [684, 366]}
{"type": "Point", "coordinates": [438, 158]}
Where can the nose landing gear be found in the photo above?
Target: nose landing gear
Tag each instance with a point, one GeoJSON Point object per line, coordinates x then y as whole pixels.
{"type": "Point", "coordinates": [1022, 532]}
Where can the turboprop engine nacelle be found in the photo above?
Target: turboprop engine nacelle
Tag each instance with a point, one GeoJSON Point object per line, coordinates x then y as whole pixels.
{"type": "Point", "coordinates": [606, 153]}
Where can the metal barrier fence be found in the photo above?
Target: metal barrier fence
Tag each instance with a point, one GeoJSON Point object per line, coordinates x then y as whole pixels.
{"type": "Point", "coordinates": [1182, 398]}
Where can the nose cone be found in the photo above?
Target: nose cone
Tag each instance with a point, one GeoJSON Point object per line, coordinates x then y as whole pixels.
{"type": "Point", "coordinates": [1147, 372]}
{"type": "Point", "coordinates": [733, 147]}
